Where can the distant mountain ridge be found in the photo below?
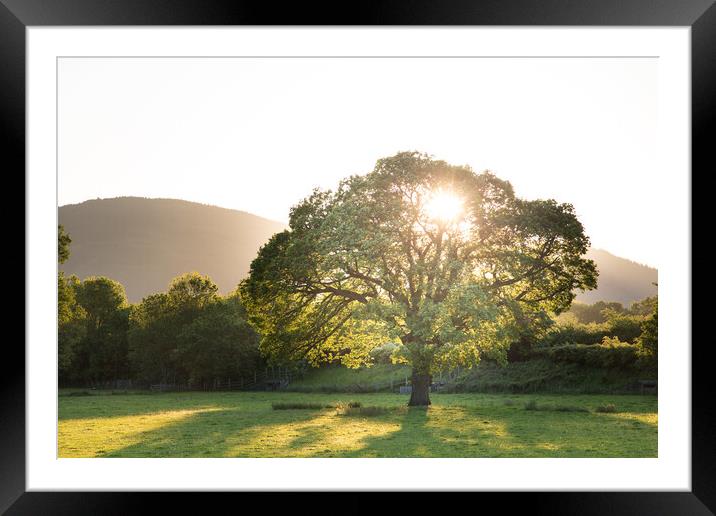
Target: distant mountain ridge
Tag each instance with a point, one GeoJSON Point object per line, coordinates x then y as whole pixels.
{"type": "Point", "coordinates": [144, 243]}
{"type": "Point", "coordinates": [619, 279]}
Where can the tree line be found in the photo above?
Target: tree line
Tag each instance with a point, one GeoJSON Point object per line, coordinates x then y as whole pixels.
{"type": "Point", "coordinates": [188, 335]}
{"type": "Point", "coordinates": [191, 336]}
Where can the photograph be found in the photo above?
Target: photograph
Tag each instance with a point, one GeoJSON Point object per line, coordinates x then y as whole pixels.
{"type": "Point", "coordinates": [406, 247]}
{"type": "Point", "coordinates": [358, 257]}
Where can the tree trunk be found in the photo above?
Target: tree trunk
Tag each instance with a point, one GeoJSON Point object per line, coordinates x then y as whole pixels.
{"type": "Point", "coordinates": [420, 393]}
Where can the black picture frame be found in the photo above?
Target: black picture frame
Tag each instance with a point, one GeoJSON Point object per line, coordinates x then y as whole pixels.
{"type": "Point", "coordinates": [700, 15]}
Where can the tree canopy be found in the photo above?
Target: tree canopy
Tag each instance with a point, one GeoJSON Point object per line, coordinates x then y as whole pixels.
{"type": "Point", "coordinates": [189, 334]}
{"type": "Point", "coordinates": [63, 244]}
{"type": "Point", "coordinates": [101, 354]}
{"type": "Point", "coordinates": [648, 341]}
{"type": "Point", "coordinates": [71, 328]}
{"type": "Point", "coordinates": [445, 261]}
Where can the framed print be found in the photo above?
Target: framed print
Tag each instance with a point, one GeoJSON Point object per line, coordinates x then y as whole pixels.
{"type": "Point", "coordinates": [420, 249]}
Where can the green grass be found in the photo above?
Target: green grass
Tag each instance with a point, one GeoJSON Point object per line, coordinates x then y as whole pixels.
{"type": "Point", "coordinates": [377, 378]}
{"type": "Point", "coordinates": [244, 424]}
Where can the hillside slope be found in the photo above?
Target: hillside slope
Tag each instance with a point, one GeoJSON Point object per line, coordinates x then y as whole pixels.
{"type": "Point", "coordinates": [619, 280]}
{"type": "Point", "coordinates": [144, 243]}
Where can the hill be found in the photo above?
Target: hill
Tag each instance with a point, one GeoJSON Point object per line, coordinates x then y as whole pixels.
{"type": "Point", "coordinates": [619, 280]}
{"type": "Point", "coordinates": [144, 243]}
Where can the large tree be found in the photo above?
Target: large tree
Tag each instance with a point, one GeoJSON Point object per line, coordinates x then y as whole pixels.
{"type": "Point", "coordinates": [70, 315]}
{"type": "Point", "coordinates": [71, 325]}
{"type": "Point", "coordinates": [157, 324]}
{"type": "Point", "coordinates": [648, 341]}
{"type": "Point", "coordinates": [218, 344]}
{"type": "Point", "coordinates": [448, 262]}
{"type": "Point", "coordinates": [102, 354]}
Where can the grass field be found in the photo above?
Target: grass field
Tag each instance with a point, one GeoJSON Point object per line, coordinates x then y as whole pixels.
{"type": "Point", "coordinates": [244, 424]}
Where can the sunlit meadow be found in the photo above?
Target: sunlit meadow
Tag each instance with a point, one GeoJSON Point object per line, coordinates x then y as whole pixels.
{"type": "Point", "coordinates": [244, 424]}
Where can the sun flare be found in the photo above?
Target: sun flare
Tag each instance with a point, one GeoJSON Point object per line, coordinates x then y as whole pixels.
{"type": "Point", "coordinates": [444, 205]}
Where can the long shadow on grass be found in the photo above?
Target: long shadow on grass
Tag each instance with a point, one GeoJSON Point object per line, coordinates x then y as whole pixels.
{"type": "Point", "coordinates": [413, 438]}
{"type": "Point", "coordinates": [220, 433]}
{"type": "Point", "coordinates": [444, 430]}
{"type": "Point", "coordinates": [511, 432]}
{"type": "Point", "coordinates": [439, 431]}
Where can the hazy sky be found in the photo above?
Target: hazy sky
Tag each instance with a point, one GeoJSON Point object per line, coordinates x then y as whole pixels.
{"type": "Point", "coordinates": [259, 134]}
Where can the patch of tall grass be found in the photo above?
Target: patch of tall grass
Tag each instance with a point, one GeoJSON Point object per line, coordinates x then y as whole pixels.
{"type": "Point", "coordinates": [609, 408]}
{"type": "Point", "coordinates": [299, 406]}
{"type": "Point", "coordinates": [532, 405]}
{"type": "Point", "coordinates": [369, 411]}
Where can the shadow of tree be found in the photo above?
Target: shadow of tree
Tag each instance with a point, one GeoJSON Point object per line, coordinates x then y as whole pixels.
{"type": "Point", "coordinates": [213, 434]}
{"type": "Point", "coordinates": [438, 432]}
{"type": "Point", "coordinates": [461, 432]}
{"type": "Point", "coordinates": [454, 427]}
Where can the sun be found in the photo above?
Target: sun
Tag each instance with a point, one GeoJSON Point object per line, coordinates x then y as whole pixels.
{"type": "Point", "coordinates": [444, 205]}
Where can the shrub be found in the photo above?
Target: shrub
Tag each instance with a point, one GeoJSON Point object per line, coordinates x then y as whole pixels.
{"type": "Point", "coordinates": [624, 327]}
{"type": "Point", "coordinates": [292, 406]}
{"type": "Point", "coordinates": [609, 408]}
{"type": "Point", "coordinates": [532, 405]}
{"type": "Point", "coordinates": [370, 411]}
{"type": "Point", "coordinates": [567, 408]}
{"type": "Point", "coordinates": [348, 404]}
{"type": "Point", "coordinates": [595, 313]}
{"type": "Point", "coordinates": [561, 335]}
{"type": "Point", "coordinates": [79, 393]}
{"type": "Point", "coordinates": [612, 353]}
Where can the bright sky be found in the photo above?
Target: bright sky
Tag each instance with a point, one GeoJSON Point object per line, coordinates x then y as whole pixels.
{"type": "Point", "coordinates": [259, 134]}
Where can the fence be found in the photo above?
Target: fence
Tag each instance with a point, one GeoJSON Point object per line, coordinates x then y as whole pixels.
{"type": "Point", "coordinates": [269, 379]}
